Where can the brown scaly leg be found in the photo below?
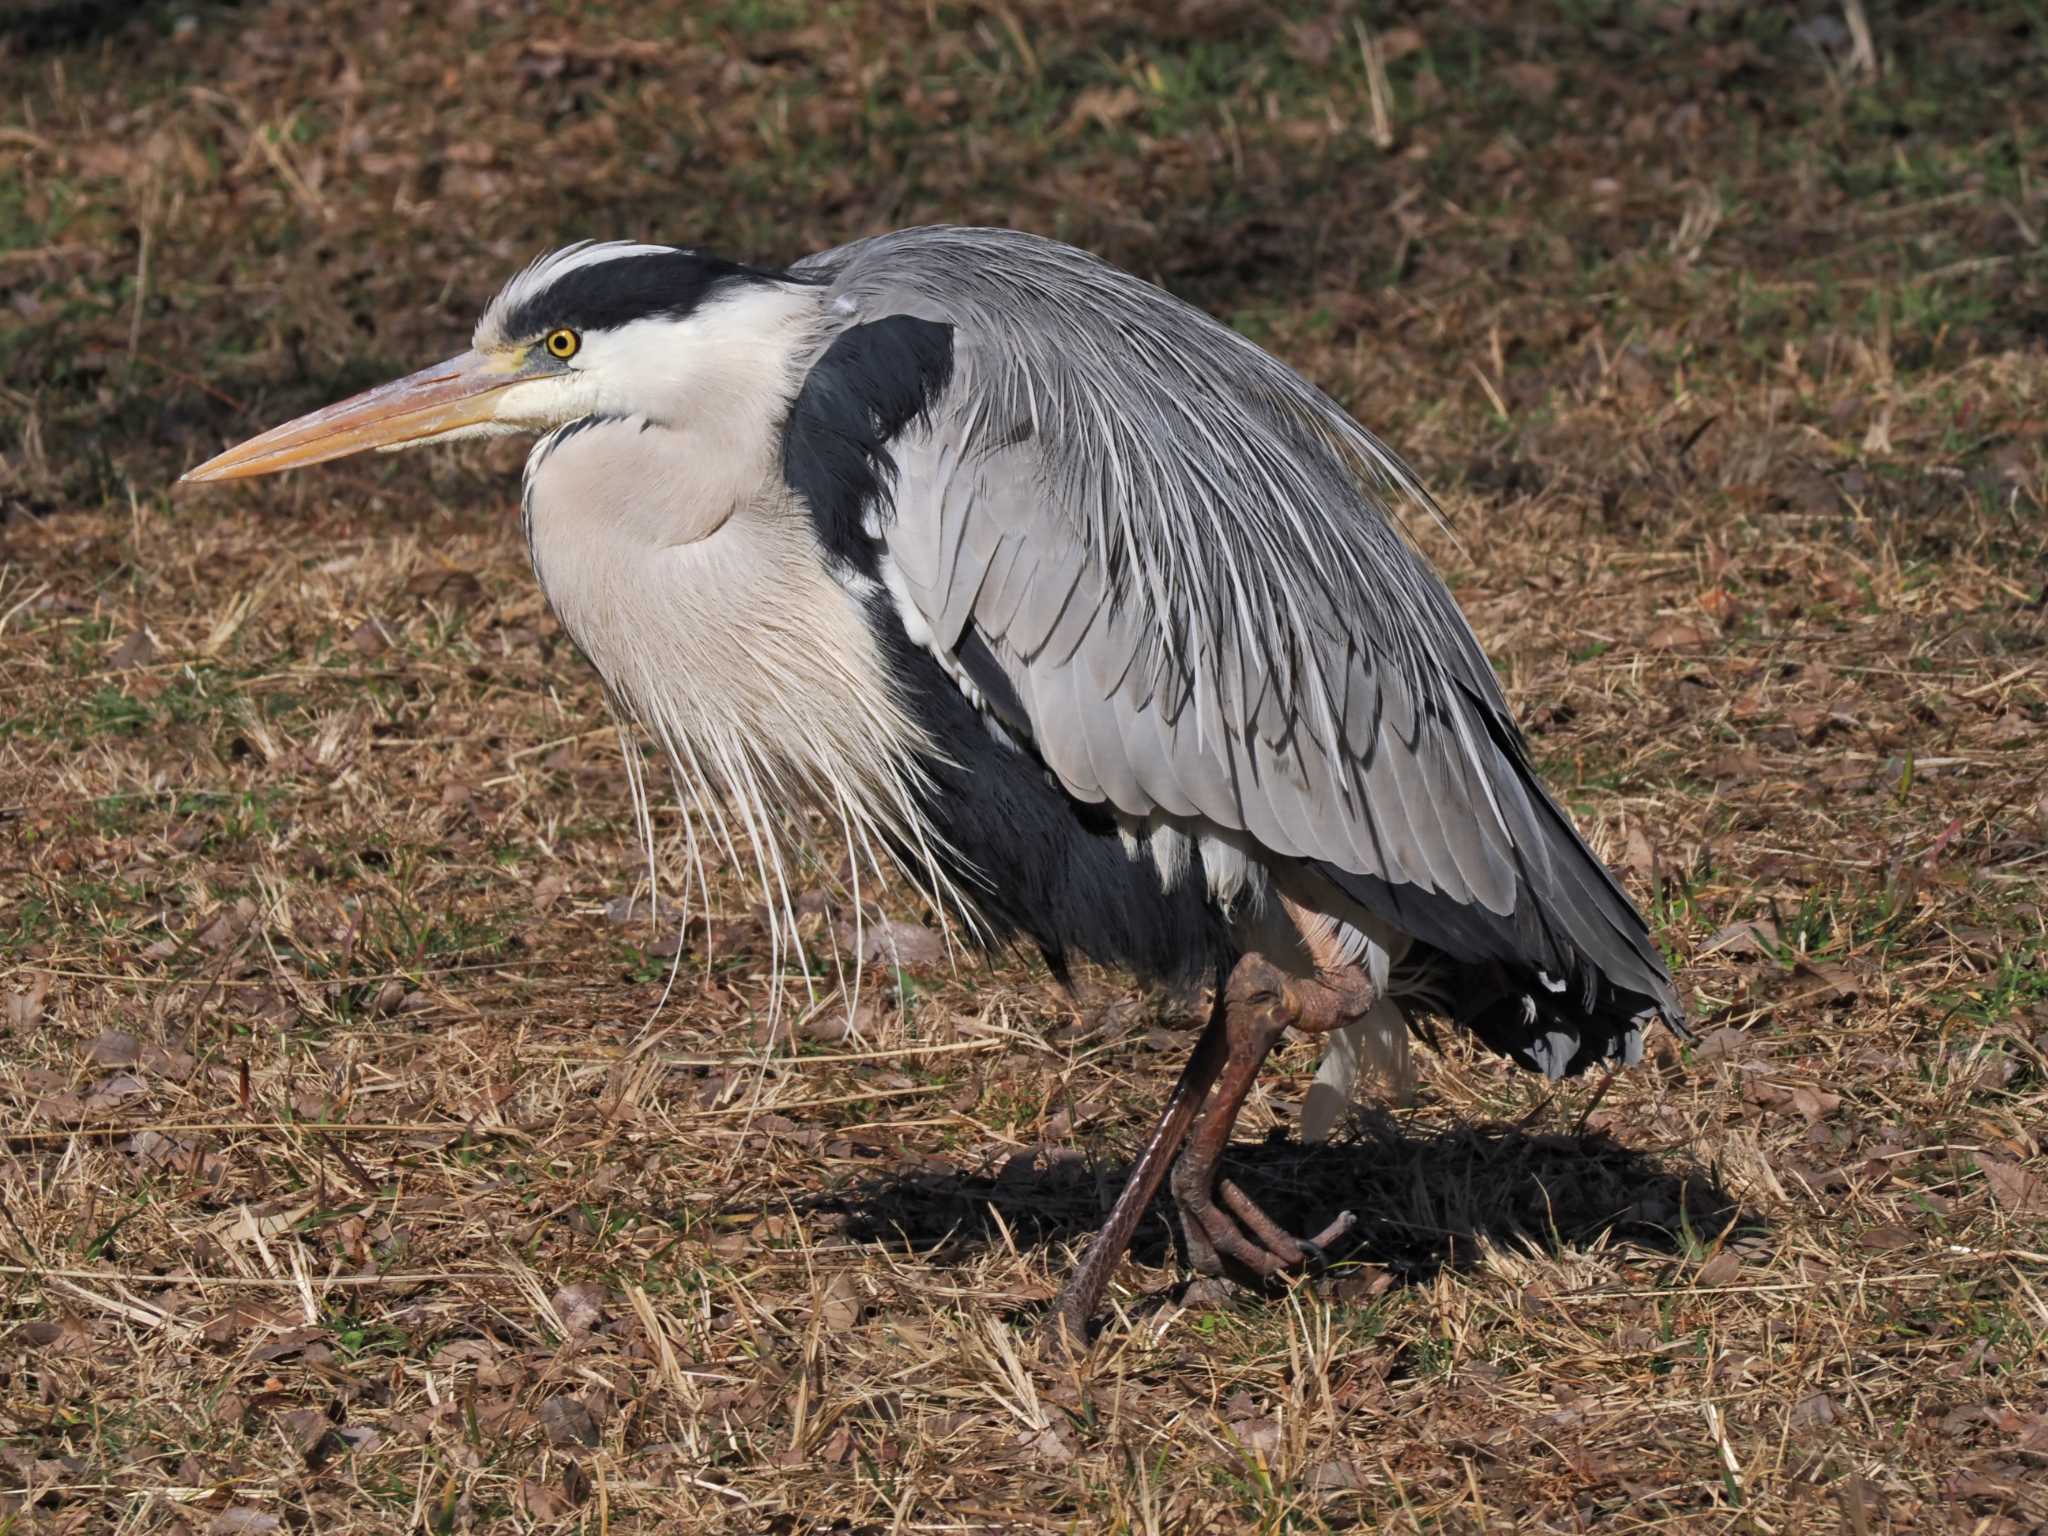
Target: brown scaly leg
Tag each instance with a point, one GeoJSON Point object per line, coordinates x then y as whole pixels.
{"type": "Point", "coordinates": [1254, 1006]}
{"type": "Point", "coordinates": [1066, 1327]}
{"type": "Point", "coordinates": [1261, 1003]}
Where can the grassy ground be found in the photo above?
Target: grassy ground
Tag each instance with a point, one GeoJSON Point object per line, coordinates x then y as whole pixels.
{"type": "Point", "coordinates": [353, 1178]}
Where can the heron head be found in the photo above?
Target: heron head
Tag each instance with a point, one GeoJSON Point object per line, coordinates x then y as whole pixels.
{"type": "Point", "coordinates": [618, 329]}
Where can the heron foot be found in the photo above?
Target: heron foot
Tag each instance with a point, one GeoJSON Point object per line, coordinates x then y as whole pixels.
{"type": "Point", "coordinates": [1256, 1003]}
{"type": "Point", "coordinates": [1250, 1237]}
{"type": "Point", "coordinates": [1263, 1004]}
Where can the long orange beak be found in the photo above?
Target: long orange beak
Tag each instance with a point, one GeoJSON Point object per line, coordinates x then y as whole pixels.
{"type": "Point", "coordinates": [435, 401]}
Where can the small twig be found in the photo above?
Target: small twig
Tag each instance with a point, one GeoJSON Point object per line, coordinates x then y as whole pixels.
{"type": "Point", "coordinates": [1862, 49]}
{"type": "Point", "coordinates": [1376, 88]}
{"type": "Point", "coordinates": [1720, 1434]}
{"type": "Point", "coordinates": [148, 229]}
{"type": "Point", "coordinates": [1493, 395]}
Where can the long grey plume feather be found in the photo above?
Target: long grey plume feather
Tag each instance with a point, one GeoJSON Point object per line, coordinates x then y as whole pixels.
{"type": "Point", "coordinates": [1173, 476]}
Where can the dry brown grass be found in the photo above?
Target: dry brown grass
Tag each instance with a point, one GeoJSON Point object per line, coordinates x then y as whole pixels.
{"type": "Point", "coordinates": [353, 1179]}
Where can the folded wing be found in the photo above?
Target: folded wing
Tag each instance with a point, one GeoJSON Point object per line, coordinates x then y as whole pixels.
{"type": "Point", "coordinates": [1174, 563]}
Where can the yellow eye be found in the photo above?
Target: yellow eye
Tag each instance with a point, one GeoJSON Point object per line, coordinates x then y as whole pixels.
{"type": "Point", "coordinates": [562, 344]}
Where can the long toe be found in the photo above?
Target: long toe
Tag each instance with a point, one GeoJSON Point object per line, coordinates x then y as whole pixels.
{"type": "Point", "coordinates": [1246, 1234]}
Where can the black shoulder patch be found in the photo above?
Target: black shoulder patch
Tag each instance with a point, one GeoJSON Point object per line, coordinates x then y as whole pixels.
{"type": "Point", "coordinates": [607, 294]}
{"type": "Point", "coordinates": [871, 384]}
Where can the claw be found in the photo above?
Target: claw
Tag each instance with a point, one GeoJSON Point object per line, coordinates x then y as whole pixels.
{"type": "Point", "coordinates": [1316, 1250]}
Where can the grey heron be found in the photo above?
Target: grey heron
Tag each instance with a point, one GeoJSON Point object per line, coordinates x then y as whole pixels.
{"type": "Point", "coordinates": [1088, 613]}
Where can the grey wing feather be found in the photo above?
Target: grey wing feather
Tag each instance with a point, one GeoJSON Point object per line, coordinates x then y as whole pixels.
{"type": "Point", "coordinates": [1184, 556]}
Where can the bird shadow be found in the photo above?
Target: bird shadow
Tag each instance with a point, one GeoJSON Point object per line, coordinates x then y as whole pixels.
{"type": "Point", "coordinates": [1428, 1197]}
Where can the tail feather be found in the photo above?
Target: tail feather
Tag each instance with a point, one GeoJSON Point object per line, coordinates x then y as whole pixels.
{"type": "Point", "coordinates": [1551, 1034]}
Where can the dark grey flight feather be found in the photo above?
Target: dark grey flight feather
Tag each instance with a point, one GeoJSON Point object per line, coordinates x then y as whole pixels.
{"type": "Point", "coordinates": [1182, 558]}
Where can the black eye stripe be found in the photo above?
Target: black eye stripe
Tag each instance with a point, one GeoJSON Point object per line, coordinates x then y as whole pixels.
{"type": "Point", "coordinates": [608, 294]}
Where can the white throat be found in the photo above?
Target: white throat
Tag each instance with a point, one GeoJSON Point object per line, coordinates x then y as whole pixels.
{"type": "Point", "coordinates": [672, 549]}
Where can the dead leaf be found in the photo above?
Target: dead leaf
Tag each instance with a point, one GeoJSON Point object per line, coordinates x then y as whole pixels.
{"type": "Point", "coordinates": [112, 1048]}
{"type": "Point", "coordinates": [240, 1520]}
{"type": "Point", "coordinates": [167, 1062]}
{"type": "Point", "coordinates": [1364, 1283]}
{"type": "Point", "coordinates": [889, 942]}
{"type": "Point", "coordinates": [633, 907]}
{"type": "Point", "coordinates": [1739, 765]}
{"type": "Point", "coordinates": [309, 1431]}
{"type": "Point", "coordinates": [567, 1421]}
{"type": "Point", "coordinates": [1840, 986]}
{"type": "Point", "coordinates": [243, 1317]}
{"type": "Point", "coordinates": [24, 1008]}
{"type": "Point", "coordinates": [1724, 1268]}
{"type": "Point", "coordinates": [839, 1303]}
{"type": "Point", "coordinates": [1334, 1477]}
{"type": "Point", "coordinates": [1530, 80]}
{"type": "Point", "coordinates": [63, 1336]}
{"type": "Point", "coordinates": [459, 1352]}
{"type": "Point", "coordinates": [2013, 1187]}
{"type": "Point", "coordinates": [1261, 1436]}
{"type": "Point", "coordinates": [828, 1027]}
{"type": "Point", "coordinates": [581, 1306]}
{"type": "Point", "coordinates": [229, 924]}
{"type": "Point", "coordinates": [1500, 155]}
{"type": "Point", "coordinates": [1637, 856]}
{"type": "Point", "coordinates": [138, 650]}
{"type": "Point", "coordinates": [1818, 1409]}
{"type": "Point", "coordinates": [1049, 1444]}
{"type": "Point", "coordinates": [370, 638]}
{"type": "Point", "coordinates": [537, 1501]}
{"type": "Point", "coordinates": [60, 1109]}
{"type": "Point", "coordinates": [1815, 1104]}
{"type": "Point", "coordinates": [44, 1470]}
{"type": "Point", "coordinates": [1398, 43]}
{"type": "Point", "coordinates": [171, 1154]}
{"type": "Point", "coordinates": [112, 1092]}
{"type": "Point", "coordinates": [1104, 106]}
{"type": "Point", "coordinates": [309, 1344]}
{"type": "Point", "coordinates": [1748, 939]}
{"type": "Point", "coordinates": [358, 1439]}
{"type": "Point", "coordinates": [1766, 1095]}
{"type": "Point", "coordinates": [1679, 635]}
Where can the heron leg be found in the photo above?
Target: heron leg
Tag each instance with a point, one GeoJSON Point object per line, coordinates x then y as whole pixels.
{"type": "Point", "coordinates": [1255, 1004]}
{"type": "Point", "coordinates": [1067, 1325]}
{"type": "Point", "coordinates": [1260, 1004]}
